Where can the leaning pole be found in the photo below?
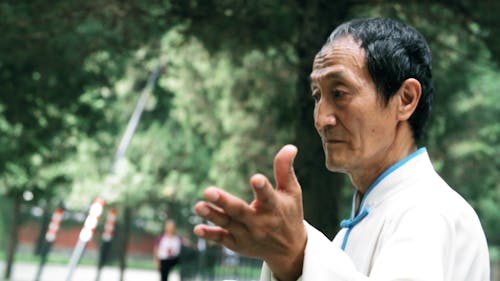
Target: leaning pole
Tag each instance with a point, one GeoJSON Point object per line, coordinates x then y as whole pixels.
{"type": "Point", "coordinates": [97, 206]}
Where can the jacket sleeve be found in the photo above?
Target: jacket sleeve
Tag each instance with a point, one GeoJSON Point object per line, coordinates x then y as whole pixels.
{"type": "Point", "coordinates": [320, 257]}
{"type": "Point", "coordinates": [323, 260]}
{"type": "Point", "coordinates": [417, 248]}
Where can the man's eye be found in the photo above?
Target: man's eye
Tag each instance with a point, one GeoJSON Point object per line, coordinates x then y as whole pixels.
{"type": "Point", "coordinates": [316, 96]}
{"type": "Point", "coordinates": [337, 93]}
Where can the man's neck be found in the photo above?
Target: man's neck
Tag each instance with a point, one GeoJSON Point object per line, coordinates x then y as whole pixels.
{"type": "Point", "coordinates": [402, 146]}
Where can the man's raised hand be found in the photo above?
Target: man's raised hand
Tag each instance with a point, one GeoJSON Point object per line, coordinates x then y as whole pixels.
{"type": "Point", "coordinates": [271, 227]}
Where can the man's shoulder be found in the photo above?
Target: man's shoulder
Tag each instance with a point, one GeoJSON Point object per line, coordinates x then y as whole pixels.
{"type": "Point", "coordinates": [432, 196]}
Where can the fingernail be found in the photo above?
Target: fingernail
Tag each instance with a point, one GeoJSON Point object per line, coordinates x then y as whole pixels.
{"type": "Point", "coordinates": [260, 183]}
{"type": "Point", "coordinates": [199, 231]}
{"type": "Point", "coordinates": [203, 211]}
{"type": "Point", "coordinates": [212, 195]}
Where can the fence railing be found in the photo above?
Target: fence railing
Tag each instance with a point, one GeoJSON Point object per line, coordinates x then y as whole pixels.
{"type": "Point", "coordinates": [218, 264]}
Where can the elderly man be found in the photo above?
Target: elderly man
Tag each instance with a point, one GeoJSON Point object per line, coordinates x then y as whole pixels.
{"type": "Point", "coordinates": [372, 87]}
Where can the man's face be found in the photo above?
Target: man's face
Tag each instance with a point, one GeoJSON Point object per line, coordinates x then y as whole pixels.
{"type": "Point", "coordinates": [355, 126]}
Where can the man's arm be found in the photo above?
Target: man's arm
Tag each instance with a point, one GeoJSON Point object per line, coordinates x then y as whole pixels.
{"type": "Point", "coordinates": [271, 227]}
{"type": "Point", "coordinates": [419, 248]}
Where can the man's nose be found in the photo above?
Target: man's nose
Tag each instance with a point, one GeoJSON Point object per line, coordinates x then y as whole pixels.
{"type": "Point", "coordinates": [324, 115]}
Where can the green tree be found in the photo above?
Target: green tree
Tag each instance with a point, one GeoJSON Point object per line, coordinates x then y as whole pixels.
{"type": "Point", "coordinates": [43, 73]}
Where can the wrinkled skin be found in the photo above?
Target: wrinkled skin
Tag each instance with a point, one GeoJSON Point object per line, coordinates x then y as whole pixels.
{"type": "Point", "coordinates": [271, 227]}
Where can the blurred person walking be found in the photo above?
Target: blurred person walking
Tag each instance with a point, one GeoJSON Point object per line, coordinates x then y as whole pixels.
{"type": "Point", "coordinates": [167, 250]}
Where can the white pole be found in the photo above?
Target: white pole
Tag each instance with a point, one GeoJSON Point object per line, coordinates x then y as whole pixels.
{"type": "Point", "coordinates": [120, 152]}
{"type": "Point", "coordinates": [134, 119]}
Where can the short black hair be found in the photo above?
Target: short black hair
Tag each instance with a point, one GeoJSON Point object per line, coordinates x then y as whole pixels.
{"type": "Point", "coordinates": [394, 52]}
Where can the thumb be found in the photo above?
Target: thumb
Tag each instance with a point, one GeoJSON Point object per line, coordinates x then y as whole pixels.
{"type": "Point", "coordinates": [283, 169]}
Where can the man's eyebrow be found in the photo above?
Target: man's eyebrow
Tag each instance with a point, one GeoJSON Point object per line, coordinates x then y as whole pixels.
{"type": "Point", "coordinates": [329, 75]}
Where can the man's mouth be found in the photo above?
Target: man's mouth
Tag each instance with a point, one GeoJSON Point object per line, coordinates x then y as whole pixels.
{"type": "Point", "coordinates": [332, 141]}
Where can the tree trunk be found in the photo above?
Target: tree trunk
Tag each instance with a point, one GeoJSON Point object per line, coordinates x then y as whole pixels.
{"type": "Point", "coordinates": [14, 229]}
{"type": "Point", "coordinates": [127, 217]}
{"type": "Point", "coordinates": [321, 188]}
{"type": "Point", "coordinates": [44, 225]}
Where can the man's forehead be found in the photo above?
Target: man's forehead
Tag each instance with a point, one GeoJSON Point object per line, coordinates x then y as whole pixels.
{"type": "Point", "coordinates": [327, 73]}
{"type": "Point", "coordinates": [334, 59]}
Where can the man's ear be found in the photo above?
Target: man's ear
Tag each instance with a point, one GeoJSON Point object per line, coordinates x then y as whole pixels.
{"type": "Point", "coordinates": [408, 96]}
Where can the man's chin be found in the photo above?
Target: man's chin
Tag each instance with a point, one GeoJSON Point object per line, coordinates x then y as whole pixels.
{"type": "Point", "coordinates": [334, 167]}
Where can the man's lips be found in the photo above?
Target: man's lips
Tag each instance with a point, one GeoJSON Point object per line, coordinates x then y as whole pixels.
{"type": "Point", "coordinates": [332, 141]}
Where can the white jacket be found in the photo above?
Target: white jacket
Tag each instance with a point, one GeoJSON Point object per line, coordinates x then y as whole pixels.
{"type": "Point", "coordinates": [410, 226]}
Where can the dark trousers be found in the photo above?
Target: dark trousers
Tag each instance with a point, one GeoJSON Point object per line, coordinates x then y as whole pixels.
{"type": "Point", "coordinates": [166, 266]}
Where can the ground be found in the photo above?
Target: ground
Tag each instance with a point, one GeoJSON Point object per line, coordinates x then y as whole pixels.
{"type": "Point", "coordinates": [26, 272]}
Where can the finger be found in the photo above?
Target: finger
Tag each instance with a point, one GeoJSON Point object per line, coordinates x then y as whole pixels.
{"type": "Point", "coordinates": [212, 214]}
{"type": "Point", "coordinates": [233, 206]}
{"type": "Point", "coordinates": [283, 169]}
{"type": "Point", "coordinates": [214, 233]}
{"type": "Point", "coordinates": [237, 227]}
{"type": "Point", "coordinates": [265, 197]}
{"type": "Point", "coordinates": [223, 221]}
{"type": "Point", "coordinates": [210, 232]}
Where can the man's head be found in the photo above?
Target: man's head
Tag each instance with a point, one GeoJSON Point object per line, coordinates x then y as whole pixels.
{"type": "Point", "coordinates": [394, 52]}
{"type": "Point", "coordinates": [372, 86]}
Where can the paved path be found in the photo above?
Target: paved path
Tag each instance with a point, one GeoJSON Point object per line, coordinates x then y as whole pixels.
{"type": "Point", "coordinates": [26, 272]}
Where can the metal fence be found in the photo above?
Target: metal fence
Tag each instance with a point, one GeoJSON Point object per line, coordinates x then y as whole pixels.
{"type": "Point", "coordinates": [217, 264]}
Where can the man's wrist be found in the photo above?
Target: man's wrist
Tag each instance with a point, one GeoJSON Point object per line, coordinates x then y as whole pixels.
{"type": "Point", "coordinates": [289, 267]}
{"type": "Point", "coordinates": [286, 269]}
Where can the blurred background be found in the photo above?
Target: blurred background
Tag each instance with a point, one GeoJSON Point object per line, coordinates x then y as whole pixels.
{"type": "Point", "coordinates": [232, 89]}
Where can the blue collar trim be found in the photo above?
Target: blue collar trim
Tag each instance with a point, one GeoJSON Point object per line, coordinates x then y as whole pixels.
{"type": "Point", "coordinates": [389, 171]}
{"type": "Point", "coordinates": [350, 223]}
